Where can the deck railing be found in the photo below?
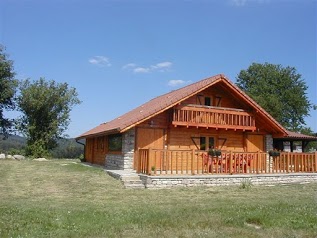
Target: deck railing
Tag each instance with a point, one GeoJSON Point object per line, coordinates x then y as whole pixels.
{"type": "Point", "coordinates": [213, 117]}
{"type": "Point", "coordinates": [193, 162]}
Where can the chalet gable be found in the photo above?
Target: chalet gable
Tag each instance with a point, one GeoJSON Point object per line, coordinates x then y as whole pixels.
{"type": "Point", "coordinates": [183, 96]}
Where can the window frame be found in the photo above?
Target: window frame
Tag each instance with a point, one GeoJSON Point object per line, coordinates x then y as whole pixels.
{"type": "Point", "coordinates": [112, 140]}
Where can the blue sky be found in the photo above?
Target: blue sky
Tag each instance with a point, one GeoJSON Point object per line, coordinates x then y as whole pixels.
{"type": "Point", "coordinates": [120, 54]}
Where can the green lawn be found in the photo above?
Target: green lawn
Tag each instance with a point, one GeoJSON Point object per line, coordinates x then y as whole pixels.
{"type": "Point", "coordinates": [63, 198]}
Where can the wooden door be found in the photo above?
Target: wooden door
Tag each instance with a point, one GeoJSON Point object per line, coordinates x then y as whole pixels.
{"type": "Point", "coordinates": [255, 143]}
{"type": "Point", "coordinates": [89, 150]}
{"type": "Point", "coordinates": [150, 138]}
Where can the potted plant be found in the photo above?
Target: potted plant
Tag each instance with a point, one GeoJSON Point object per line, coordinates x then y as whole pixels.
{"type": "Point", "coordinates": [214, 152]}
{"type": "Point", "coordinates": [152, 169]}
{"type": "Point", "coordinates": [274, 153]}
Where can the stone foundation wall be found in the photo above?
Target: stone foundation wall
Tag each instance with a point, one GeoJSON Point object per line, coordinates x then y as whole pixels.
{"type": "Point", "coordinates": [123, 161]}
{"type": "Point", "coordinates": [156, 182]}
{"type": "Point", "coordinates": [114, 161]}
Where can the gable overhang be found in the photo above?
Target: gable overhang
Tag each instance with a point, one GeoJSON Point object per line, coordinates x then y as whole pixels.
{"type": "Point", "coordinates": [258, 110]}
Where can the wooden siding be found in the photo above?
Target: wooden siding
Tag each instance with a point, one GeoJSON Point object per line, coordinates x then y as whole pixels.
{"type": "Point", "coordinates": [219, 97]}
{"type": "Point", "coordinates": [159, 121]}
{"type": "Point", "coordinates": [186, 138]}
{"type": "Point", "coordinates": [150, 138]}
{"type": "Point", "coordinates": [96, 150]}
{"type": "Point", "coordinates": [255, 143]}
{"type": "Point", "coordinates": [89, 150]}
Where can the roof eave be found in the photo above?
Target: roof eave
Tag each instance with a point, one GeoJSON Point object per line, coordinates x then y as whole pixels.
{"type": "Point", "coordinates": [102, 133]}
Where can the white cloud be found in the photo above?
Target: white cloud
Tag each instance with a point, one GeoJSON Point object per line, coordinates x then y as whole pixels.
{"type": "Point", "coordinates": [141, 70]}
{"type": "Point", "coordinates": [129, 66]}
{"type": "Point", "coordinates": [161, 67]}
{"type": "Point", "coordinates": [101, 61]}
{"type": "Point", "coordinates": [177, 82]}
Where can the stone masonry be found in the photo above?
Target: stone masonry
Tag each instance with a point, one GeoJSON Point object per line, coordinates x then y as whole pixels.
{"type": "Point", "coordinates": [268, 147]}
{"type": "Point", "coordinates": [123, 161]}
{"type": "Point", "coordinates": [156, 182]}
{"type": "Point", "coordinates": [128, 143]}
{"type": "Point", "coordinates": [114, 161]}
{"type": "Point", "coordinates": [268, 142]}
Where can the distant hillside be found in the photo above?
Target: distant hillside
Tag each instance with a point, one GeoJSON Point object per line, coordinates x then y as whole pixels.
{"type": "Point", "coordinates": [13, 142]}
{"type": "Point", "coordinates": [67, 148]}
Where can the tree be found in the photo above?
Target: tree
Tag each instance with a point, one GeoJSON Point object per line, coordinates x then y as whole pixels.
{"type": "Point", "coordinates": [279, 90]}
{"type": "Point", "coordinates": [7, 91]}
{"type": "Point", "coordinates": [45, 106]}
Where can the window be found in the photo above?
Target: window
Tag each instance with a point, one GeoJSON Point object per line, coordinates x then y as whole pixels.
{"type": "Point", "coordinates": [115, 142]}
{"type": "Point", "coordinates": [211, 143]}
{"type": "Point", "coordinates": [207, 143]}
{"type": "Point", "coordinates": [202, 143]}
{"type": "Point", "coordinates": [207, 101]}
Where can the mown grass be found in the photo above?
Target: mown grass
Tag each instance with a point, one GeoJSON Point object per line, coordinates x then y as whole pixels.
{"type": "Point", "coordinates": [63, 198]}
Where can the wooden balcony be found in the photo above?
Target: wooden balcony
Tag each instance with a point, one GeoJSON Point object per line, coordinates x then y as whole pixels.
{"type": "Point", "coordinates": [213, 117]}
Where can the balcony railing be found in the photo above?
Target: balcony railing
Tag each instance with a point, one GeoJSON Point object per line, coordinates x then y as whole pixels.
{"type": "Point", "coordinates": [193, 162]}
{"type": "Point", "coordinates": [213, 117]}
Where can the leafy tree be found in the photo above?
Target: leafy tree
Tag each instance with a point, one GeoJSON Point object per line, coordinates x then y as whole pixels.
{"type": "Point", "coordinates": [45, 106]}
{"type": "Point", "coordinates": [279, 90]}
{"type": "Point", "coordinates": [7, 91]}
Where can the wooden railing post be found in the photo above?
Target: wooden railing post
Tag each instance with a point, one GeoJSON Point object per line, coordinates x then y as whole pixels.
{"type": "Point", "coordinates": [137, 162]}
{"type": "Point", "coordinates": [267, 163]}
{"type": "Point", "coordinates": [287, 163]}
{"type": "Point", "coordinates": [230, 162]}
{"type": "Point", "coordinates": [258, 162]}
{"type": "Point", "coordinates": [149, 163]}
{"type": "Point", "coordinates": [315, 160]}
{"type": "Point", "coordinates": [192, 163]}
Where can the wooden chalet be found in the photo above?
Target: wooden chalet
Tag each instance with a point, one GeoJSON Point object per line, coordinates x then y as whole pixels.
{"type": "Point", "coordinates": [172, 134]}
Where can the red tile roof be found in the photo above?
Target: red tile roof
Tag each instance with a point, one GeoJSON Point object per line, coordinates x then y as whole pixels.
{"type": "Point", "coordinates": [294, 135]}
{"type": "Point", "coordinates": [166, 101]}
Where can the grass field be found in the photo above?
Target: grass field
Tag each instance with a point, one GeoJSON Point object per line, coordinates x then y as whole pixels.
{"type": "Point", "coordinates": [63, 198]}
